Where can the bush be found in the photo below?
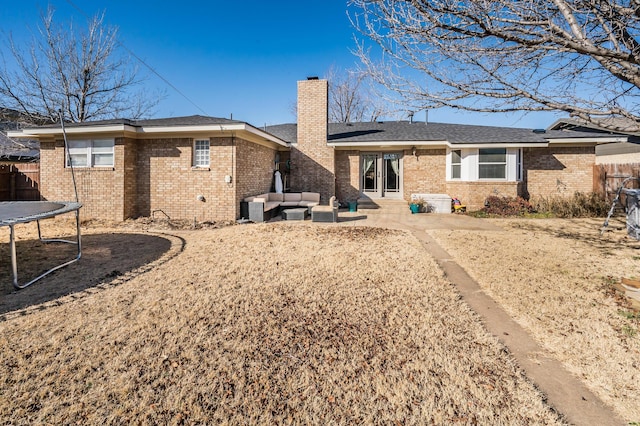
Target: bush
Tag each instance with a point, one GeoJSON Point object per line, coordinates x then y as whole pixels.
{"type": "Point", "coordinates": [507, 206]}
{"type": "Point", "coordinates": [579, 205]}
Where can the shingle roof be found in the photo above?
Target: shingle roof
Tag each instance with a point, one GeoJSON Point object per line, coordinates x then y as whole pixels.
{"type": "Point", "coordinates": [286, 132]}
{"type": "Point", "coordinates": [419, 131]}
{"type": "Point", "coordinates": [373, 132]}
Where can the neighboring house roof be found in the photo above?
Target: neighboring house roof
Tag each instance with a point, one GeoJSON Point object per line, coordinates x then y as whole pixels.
{"type": "Point", "coordinates": [420, 133]}
{"type": "Point", "coordinates": [630, 146]}
{"type": "Point", "coordinates": [605, 125]}
{"type": "Point", "coordinates": [11, 150]}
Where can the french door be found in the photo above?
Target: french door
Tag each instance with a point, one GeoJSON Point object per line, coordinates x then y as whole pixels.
{"type": "Point", "coordinates": [381, 174]}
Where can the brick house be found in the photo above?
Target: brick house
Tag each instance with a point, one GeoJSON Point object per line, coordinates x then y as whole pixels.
{"type": "Point", "coordinates": [185, 167]}
{"type": "Point", "coordinates": [202, 167]}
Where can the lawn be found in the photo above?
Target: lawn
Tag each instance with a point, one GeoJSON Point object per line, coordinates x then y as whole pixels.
{"type": "Point", "coordinates": [554, 277]}
{"type": "Point", "coordinates": [271, 323]}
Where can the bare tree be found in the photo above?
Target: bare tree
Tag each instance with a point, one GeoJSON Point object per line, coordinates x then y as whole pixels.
{"type": "Point", "coordinates": [350, 100]}
{"type": "Point", "coordinates": [577, 56]}
{"type": "Point", "coordinates": [74, 70]}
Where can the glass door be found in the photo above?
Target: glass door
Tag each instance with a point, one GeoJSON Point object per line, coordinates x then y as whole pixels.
{"type": "Point", "coordinates": [381, 175]}
{"type": "Point", "coordinates": [391, 167]}
{"type": "Point", "coordinates": [370, 174]}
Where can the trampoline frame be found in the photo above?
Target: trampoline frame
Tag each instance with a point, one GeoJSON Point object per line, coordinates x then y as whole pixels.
{"type": "Point", "coordinates": [67, 207]}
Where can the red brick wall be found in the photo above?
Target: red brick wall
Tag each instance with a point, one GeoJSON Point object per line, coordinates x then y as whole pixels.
{"type": "Point", "coordinates": [347, 175]}
{"type": "Point", "coordinates": [558, 170]}
{"type": "Point", "coordinates": [156, 176]}
{"type": "Point", "coordinates": [100, 190]}
{"type": "Point", "coordinates": [312, 161]}
{"type": "Point", "coordinates": [473, 194]}
{"type": "Point", "coordinates": [254, 170]}
{"type": "Point", "coordinates": [129, 177]}
{"type": "Point", "coordinates": [424, 173]}
{"type": "Point", "coordinates": [167, 182]}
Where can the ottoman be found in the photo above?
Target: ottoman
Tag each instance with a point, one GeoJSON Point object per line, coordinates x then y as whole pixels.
{"type": "Point", "coordinates": [295, 214]}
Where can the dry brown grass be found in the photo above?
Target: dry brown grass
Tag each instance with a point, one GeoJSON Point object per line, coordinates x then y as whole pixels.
{"type": "Point", "coordinates": [275, 323]}
{"type": "Point", "coordinates": [553, 277]}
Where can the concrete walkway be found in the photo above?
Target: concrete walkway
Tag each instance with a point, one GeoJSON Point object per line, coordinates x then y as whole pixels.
{"type": "Point", "coordinates": [565, 393]}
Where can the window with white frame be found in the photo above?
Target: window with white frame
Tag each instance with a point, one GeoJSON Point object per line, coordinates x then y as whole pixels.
{"type": "Point", "coordinates": [201, 153]}
{"type": "Point", "coordinates": [456, 164]}
{"type": "Point", "coordinates": [90, 153]}
{"type": "Point", "coordinates": [492, 163]}
{"type": "Point", "coordinates": [475, 164]}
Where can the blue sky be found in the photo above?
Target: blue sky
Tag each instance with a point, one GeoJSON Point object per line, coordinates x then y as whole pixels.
{"type": "Point", "coordinates": [240, 58]}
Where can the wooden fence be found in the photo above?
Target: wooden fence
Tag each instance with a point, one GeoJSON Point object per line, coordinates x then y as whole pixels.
{"type": "Point", "coordinates": [607, 178]}
{"type": "Point", "coordinates": [20, 182]}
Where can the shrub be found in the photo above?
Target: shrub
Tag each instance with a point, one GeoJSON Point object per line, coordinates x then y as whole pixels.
{"type": "Point", "coordinates": [579, 205]}
{"type": "Point", "coordinates": [507, 206]}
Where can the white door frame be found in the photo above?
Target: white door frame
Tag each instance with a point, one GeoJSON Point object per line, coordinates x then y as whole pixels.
{"type": "Point", "coordinates": [380, 179]}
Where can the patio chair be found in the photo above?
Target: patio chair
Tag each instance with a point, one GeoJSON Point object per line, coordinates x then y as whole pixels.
{"type": "Point", "coordinates": [325, 213]}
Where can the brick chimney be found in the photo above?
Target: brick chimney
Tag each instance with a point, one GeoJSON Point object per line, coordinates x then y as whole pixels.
{"type": "Point", "coordinates": [312, 161]}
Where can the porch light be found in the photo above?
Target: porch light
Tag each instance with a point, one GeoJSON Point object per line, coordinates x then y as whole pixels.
{"type": "Point", "coordinates": [413, 151]}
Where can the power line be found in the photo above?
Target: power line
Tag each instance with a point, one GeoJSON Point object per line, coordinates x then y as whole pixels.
{"type": "Point", "coordinates": [149, 67]}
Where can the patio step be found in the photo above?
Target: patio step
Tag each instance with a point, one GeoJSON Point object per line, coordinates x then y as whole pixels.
{"type": "Point", "coordinates": [386, 205]}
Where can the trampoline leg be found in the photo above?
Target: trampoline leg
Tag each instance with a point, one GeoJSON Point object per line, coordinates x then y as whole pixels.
{"type": "Point", "coordinates": [14, 261]}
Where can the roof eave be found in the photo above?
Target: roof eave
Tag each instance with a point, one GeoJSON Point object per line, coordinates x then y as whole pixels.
{"type": "Point", "coordinates": [435, 144]}
{"type": "Point", "coordinates": [37, 133]}
{"type": "Point", "coordinates": [398, 144]}
{"type": "Point", "coordinates": [125, 129]}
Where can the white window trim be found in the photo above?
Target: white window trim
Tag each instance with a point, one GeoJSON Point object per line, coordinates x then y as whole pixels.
{"type": "Point", "coordinates": [470, 165]}
{"type": "Point", "coordinates": [195, 153]}
{"type": "Point", "coordinates": [451, 164]}
{"type": "Point", "coordinates": [89, 154]}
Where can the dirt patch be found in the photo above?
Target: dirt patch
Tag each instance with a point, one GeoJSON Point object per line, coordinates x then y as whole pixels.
{"type": "Point", "coordinates": [107, 253]}
{"type": "Point", "coordinates": [270, 323]}
{"type": "Point", "coordinates": [554, 277]}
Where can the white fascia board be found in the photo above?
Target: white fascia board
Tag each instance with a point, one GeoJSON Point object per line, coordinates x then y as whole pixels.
{"type": "Point", "coordinates": [52, 131]}
{"type": "Point", "coordinates": [439, 143]}
{"type": "Point", "coordinates": [209, 128]}
{"type": "Point", "coordinates": [591, 141]}
{"type": "Point", "coordinates": [149, 130]}
{"type": "Point", "coordinates": [387, 144]}
{"type": "Point", "coordinates": [266, 135]}
{"type": "Point", "coordinates": [498, 145]}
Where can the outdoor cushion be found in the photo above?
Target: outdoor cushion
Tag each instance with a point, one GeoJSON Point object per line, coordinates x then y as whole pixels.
{"type": "Point", "coordinates": [292, 196]}
{"type": "Point", "coordinates": [311, 196]}
{"type": "Point", "coordinates": [271, 205]}
{"type": "Point", "coordinates": [308, 203]}
{"type": "Point", "coordinates": [276, 197]}
{"type": "Point", "coordinates": [290, 203]}
{"type": "Point", "coordinates": [259, 199]}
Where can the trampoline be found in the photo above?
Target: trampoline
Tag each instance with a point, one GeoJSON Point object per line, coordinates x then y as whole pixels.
{"type": "Point", "coordinates": [14, 212]}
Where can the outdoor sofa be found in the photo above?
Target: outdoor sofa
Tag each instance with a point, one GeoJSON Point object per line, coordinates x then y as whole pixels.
{"type": "Point", "coordinates": [259, 208]}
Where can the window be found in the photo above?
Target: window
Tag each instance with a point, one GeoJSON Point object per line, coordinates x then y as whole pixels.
{"type": "Point", "coordinates": [456, 164]}
{"type": "Point", "coordinates": [492, 163]}
{"type": "Point", "coordinates": [519, 165]}
{"type": "Point", "coordinates": [91, 153]}
{"type": "Point", "coordinates": [201, 153]}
